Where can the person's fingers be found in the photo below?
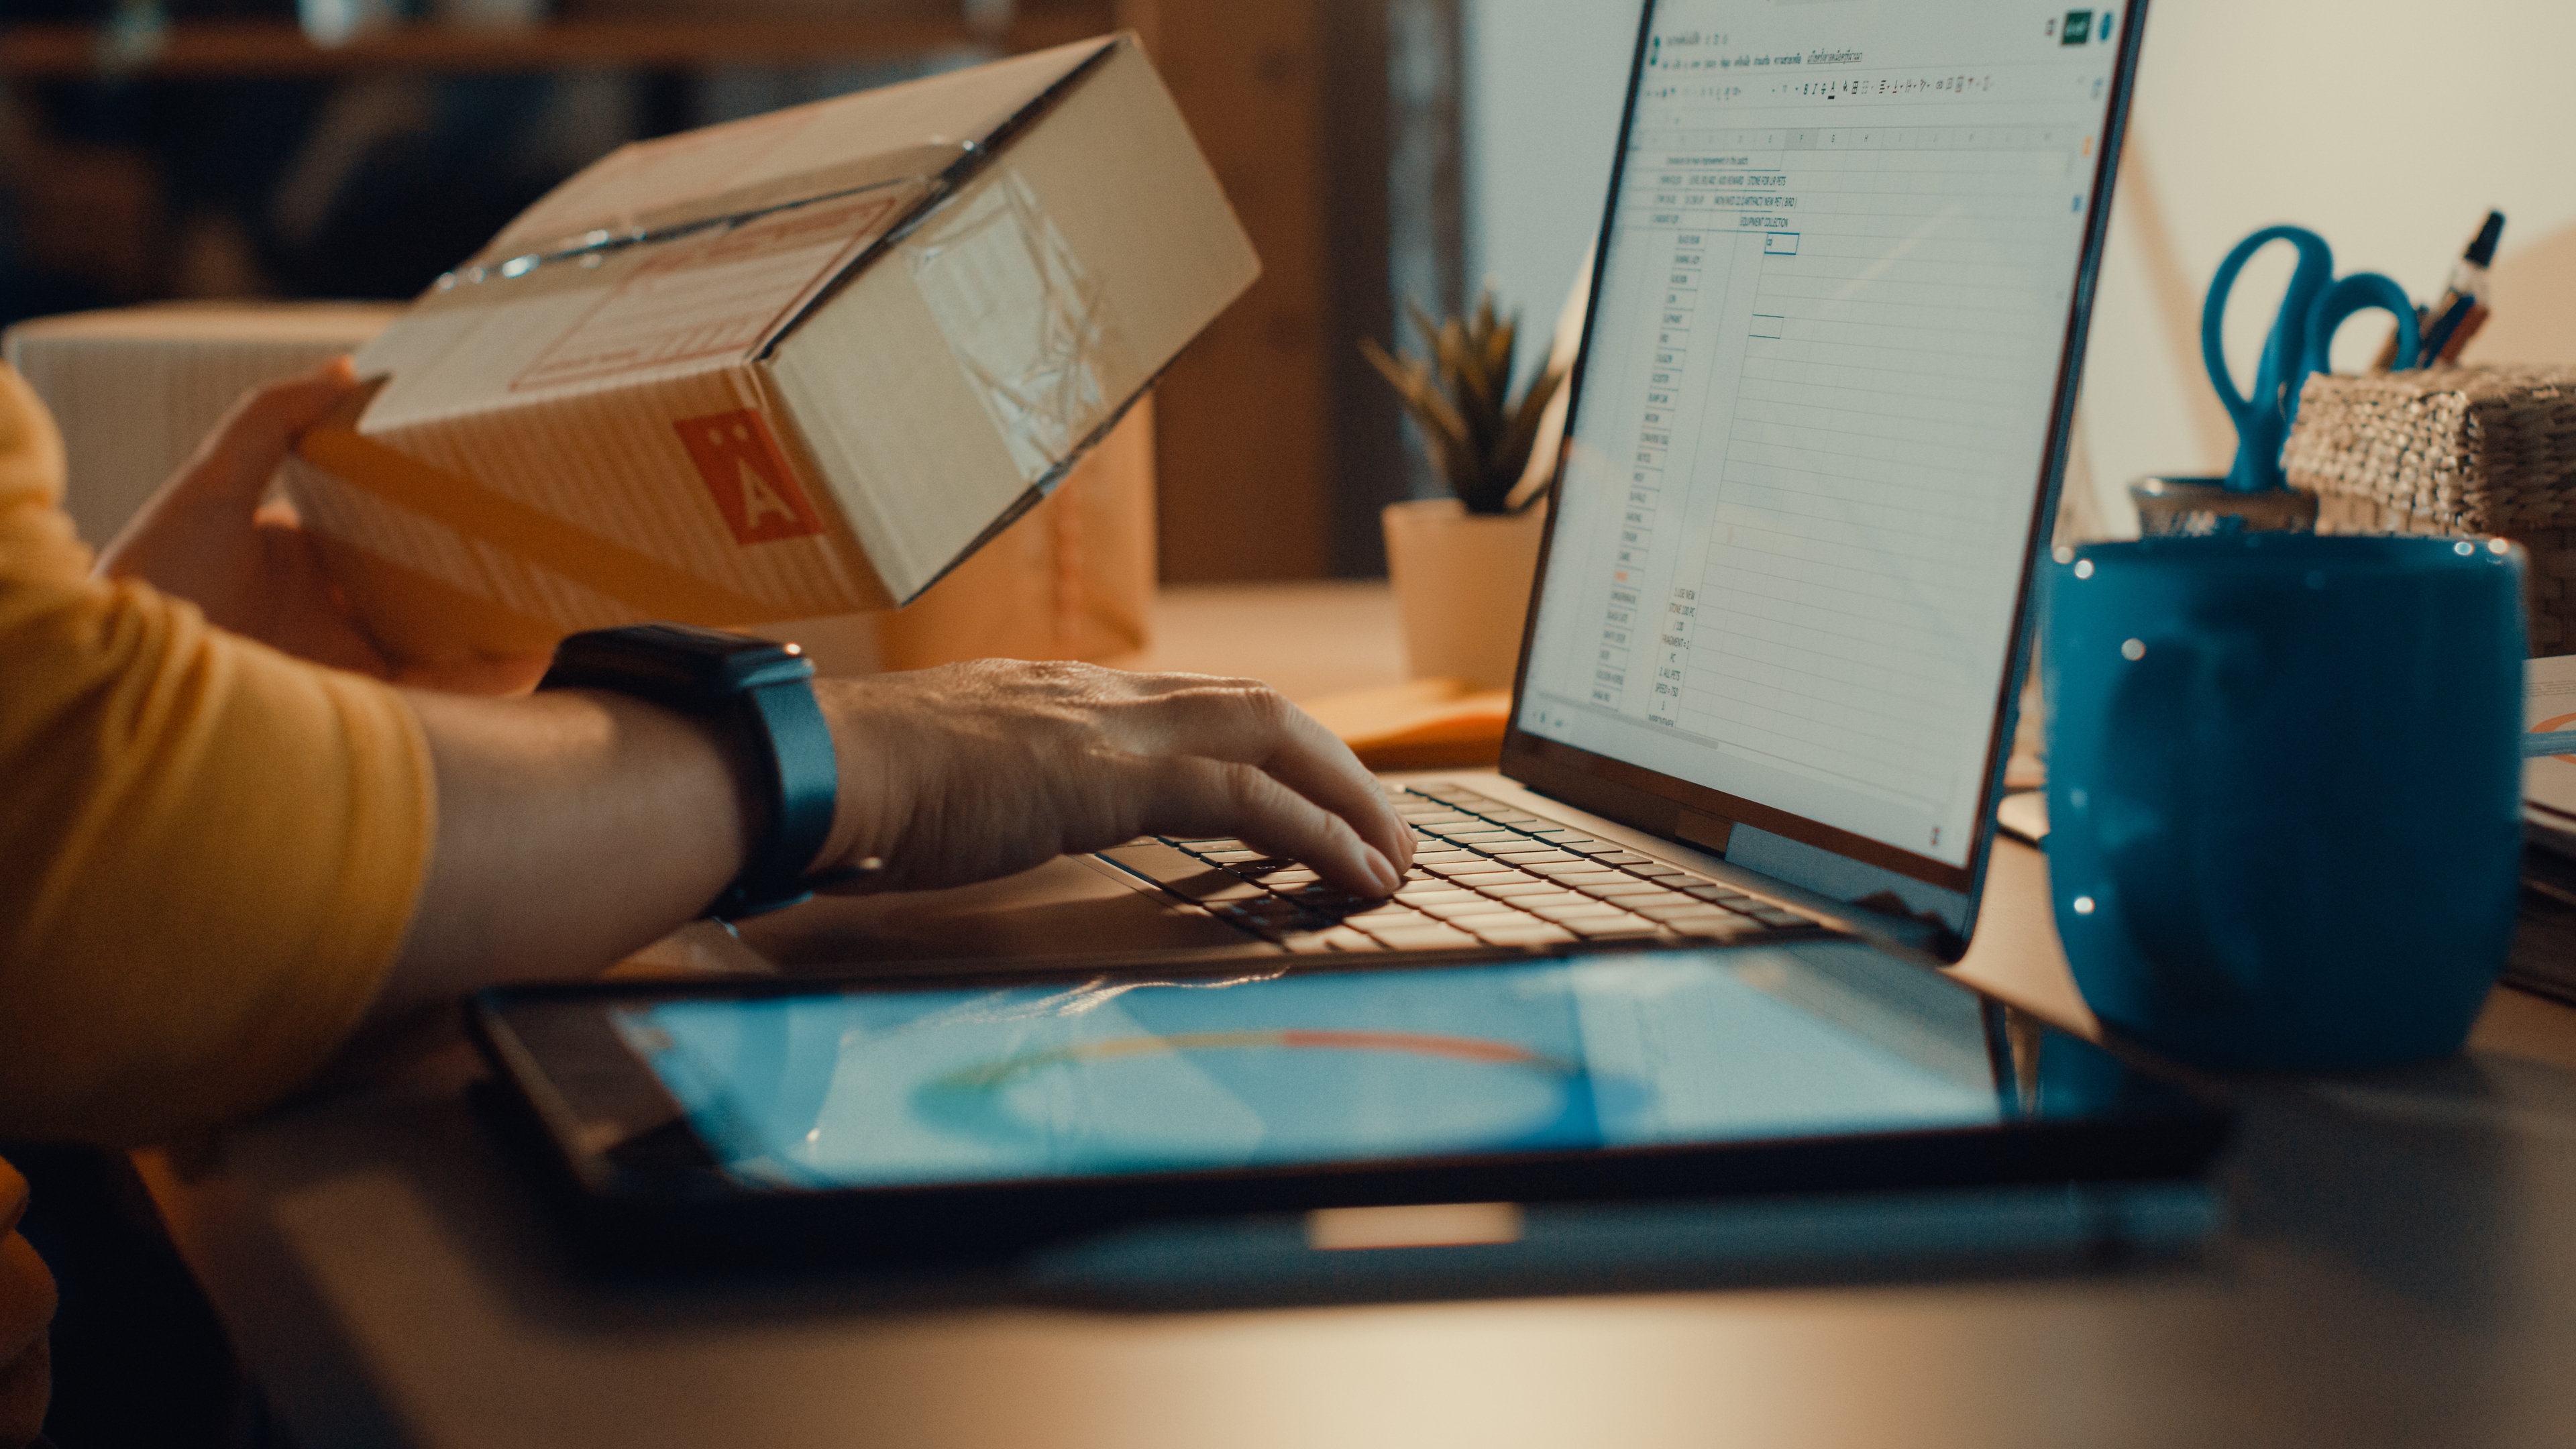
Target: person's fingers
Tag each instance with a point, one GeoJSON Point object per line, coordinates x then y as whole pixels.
{"type": "Point", "coordinates": [1316, 763]}
{"type": "Point", "coordinates": [238, 458]}
{"type": "Point", "coordinates": [1246, 722]}
{"type": "Point", "coordinates": [1195, 795]}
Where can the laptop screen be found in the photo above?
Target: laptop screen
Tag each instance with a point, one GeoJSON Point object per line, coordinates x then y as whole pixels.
{"type": "Point", "coordinates": [1836, 304]}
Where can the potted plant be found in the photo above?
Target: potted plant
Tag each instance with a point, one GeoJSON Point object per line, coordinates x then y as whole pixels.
{"type": "Point", "coordinates": [1462, 565]}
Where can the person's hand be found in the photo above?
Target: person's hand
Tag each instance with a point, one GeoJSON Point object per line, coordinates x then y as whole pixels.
{"type": "Point", "coordinates": [207, 537]}
{"type": "Point", "coordinates": [972, 771]}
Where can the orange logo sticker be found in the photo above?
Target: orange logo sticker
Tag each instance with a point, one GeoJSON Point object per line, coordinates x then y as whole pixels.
{"type": "Point", "coordinates": [748, 475]}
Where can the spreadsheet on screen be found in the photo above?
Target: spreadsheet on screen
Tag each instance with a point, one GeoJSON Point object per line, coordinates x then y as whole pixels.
{"type": "Point", "coordinates": [1824, 359]}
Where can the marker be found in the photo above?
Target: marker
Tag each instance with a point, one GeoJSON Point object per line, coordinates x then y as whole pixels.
{"type": "Point", "coordinates": [2453, 318]}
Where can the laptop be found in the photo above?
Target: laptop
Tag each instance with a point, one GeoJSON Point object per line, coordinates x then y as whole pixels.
{"type": "Point", "coordinates": [1769, 675]}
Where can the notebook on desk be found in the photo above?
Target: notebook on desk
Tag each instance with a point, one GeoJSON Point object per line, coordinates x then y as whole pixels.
{"type": "Point", "coordinates": [1769, 673]}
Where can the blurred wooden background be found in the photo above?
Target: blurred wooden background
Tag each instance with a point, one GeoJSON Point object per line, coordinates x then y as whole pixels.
{"type": "Point", "coordinates": [209, 148]}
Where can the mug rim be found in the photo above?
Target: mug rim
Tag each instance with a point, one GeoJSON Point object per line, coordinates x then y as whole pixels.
{"type": "Point", "coordinates": [2256, 549]}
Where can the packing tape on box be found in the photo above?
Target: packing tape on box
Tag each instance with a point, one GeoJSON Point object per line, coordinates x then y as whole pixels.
{"type": "Point", "coordinates": [1030, 326]}
{"type": "Point", "coordinates": [796, 194]}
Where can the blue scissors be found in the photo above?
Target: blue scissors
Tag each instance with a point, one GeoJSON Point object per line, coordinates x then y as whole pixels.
{"type": "Point", "coordinates": [2316, 304]}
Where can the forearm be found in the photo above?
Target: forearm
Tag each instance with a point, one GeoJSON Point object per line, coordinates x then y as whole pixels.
{"type": "Point", "coordinates": [573, 828]}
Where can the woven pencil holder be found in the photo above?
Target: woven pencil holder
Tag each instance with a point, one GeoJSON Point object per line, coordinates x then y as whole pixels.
{"type": "Point", "coordinates": [2452, 451]}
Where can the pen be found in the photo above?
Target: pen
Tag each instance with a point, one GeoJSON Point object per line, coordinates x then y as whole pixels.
{"type": "Point", "coordinates": [2460, 311]}
{"type": "Point", "coordinates": [2438, 335]}
{"type": "Point", "coordinates": [2555, 742]}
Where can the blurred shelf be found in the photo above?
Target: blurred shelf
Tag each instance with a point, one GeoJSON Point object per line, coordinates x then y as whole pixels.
{"type": "Point", "coordinates": [210, 49]}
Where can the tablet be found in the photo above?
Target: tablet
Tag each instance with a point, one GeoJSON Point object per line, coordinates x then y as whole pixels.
{"type": "Point", "coordinates": [981, 1115]}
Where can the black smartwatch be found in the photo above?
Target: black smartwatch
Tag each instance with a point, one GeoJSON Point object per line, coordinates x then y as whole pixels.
{"type": "Point", "coordinates": [764, 693]}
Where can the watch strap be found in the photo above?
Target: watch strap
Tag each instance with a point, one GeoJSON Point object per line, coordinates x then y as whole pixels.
{"type": "Point", "coordinates": [793, 749]}
{"type": "Point", "coordinates": [763, 694]}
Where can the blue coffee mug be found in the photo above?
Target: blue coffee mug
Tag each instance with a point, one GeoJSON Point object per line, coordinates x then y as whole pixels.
{"type": "Point", "coordinates": [2284, 790]}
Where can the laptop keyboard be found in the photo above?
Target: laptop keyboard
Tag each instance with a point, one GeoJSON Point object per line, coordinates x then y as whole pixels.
{"type": "Point", "coordinates": [1485, 873]}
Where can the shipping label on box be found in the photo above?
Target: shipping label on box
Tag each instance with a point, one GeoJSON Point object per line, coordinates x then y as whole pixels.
{"type": "Point", "coordinates": [796, 366]}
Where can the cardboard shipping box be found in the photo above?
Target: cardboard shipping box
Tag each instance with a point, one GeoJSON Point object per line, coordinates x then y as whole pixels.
{"type": "Point", "coordinates": [794, 366]}
{"type": "Point", "coordinates": [136, 389]}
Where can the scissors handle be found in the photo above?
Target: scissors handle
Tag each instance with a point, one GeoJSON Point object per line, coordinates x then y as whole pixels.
{"type": "Point", "coordinates": [2262, 418]}
{"type": "Point", "coordinates": [2359, 292]}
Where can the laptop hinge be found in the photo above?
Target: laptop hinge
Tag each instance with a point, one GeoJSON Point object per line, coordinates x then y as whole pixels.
{"type": "Point", "coordinates": [1708, 832]}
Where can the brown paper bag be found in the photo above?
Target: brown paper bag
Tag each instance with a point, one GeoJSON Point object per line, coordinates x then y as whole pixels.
{"type": "Point", "coordinates": [1072, 579]}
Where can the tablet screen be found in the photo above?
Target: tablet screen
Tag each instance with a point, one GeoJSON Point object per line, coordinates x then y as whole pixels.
{"type": "Point", "coordinates": [885, 1088]}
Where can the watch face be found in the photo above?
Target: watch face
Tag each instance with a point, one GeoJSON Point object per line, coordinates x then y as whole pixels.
{"type": "Point", "coordinates": [675, 663]}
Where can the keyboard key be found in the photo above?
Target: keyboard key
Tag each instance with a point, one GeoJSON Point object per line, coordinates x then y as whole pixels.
{"type": "Point", "coordinates": [1435, 890]}
{"type": "Point", "coordinates": [1434, 859]}
{"type": "Point", "coordinates": [1214, 888]}
{"type": "Point", "coordinates": [1269, 922]}
{"type": "Point", "coordinates": [1527, 933]}
{"type": "Point", "coordinates": [1586, 911]}
{"type": "Point", "coordinates": [1471, 905]}
{"type": "Point", "coordinates": [1452, 869]}
{"type": "Point", "coordinates": [1284, 927]}
{"type": "Point", "coordinates": [1540, 888]}
{"type": "Point", "coordinates": [1775, 916]}
{"type": "Point", "coordinates": [1622, 929]}
{"type": "Point", "coordinates": [1229, 857]}
{"type": "Point", "coordinates": [1625, 858]}
{"type": "Point", "coordinates": [1560, 870]}
{"type": "Point", "coordinates": [1682, 910]}
{"type": "Point", "coordinates": [1534, 903]}
{"type": "Point", "coordinates": [1417, 938]}
{"type": "Point", "coordinates": [1483, 835]}
{"type": "Point", "coordinates": [1328, 938]}
{"type": "Point", "coordinates": [1519, 819]}
{"type": "Point", "coordinates": [1488, 878]}
{"type": "Point", "coordinates": [1595, 848]}
{"type": "Point", "coordinates": [1385, 915]}
{"type": "Point", "coordinates": [1657, 870]}
{"type": "Point", "coordinates": [1592, 880]}
{"type": "Point", "coordinates": [1478, 920]}
{"type": "Point", "coordinates": [1527, 858]}
{"type": "Point", "coordinates": [1628, 886]}
{"type": "Point", "coordinates": [1327, 901]}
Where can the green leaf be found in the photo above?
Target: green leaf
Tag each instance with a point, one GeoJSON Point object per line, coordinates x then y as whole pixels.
{"type": "Point", "coordinates": [1478, 437]}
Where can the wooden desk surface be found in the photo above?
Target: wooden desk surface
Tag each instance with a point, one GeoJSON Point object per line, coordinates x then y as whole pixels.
{"type": "Point", "coordinates": [2401, 1271]}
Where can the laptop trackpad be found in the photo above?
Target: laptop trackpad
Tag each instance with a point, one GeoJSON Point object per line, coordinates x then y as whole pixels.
{"type": "Point", "coordinates": [1071, 906]}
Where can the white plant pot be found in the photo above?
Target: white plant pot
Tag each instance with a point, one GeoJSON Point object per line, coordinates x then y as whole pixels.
{"type": "Point", "coordinates": [1462, 585]}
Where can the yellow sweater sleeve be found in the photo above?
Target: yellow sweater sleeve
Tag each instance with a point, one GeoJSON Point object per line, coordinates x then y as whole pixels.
{"type": "Point", "coordinates": [212, 850]}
